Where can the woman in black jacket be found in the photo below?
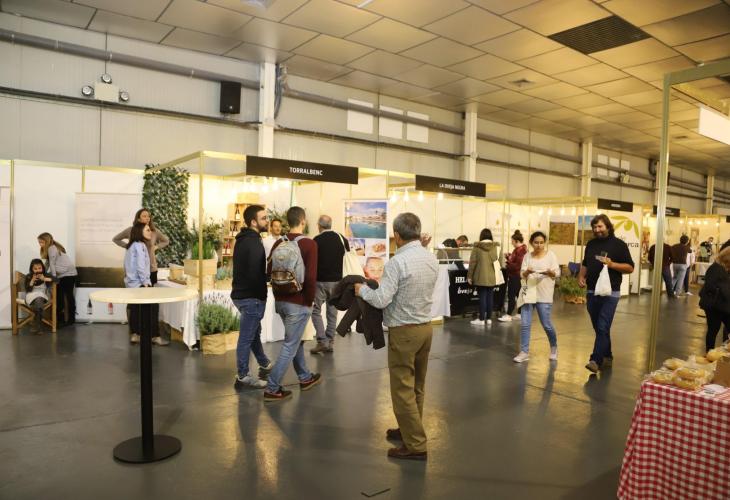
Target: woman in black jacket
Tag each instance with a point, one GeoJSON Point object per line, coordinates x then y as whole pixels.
{"type": "Point", "coordinates": [715, 298]}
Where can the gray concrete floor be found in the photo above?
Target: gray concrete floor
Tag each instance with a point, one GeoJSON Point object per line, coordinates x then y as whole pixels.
{"type": "Point", "coordinates": [497, 429]}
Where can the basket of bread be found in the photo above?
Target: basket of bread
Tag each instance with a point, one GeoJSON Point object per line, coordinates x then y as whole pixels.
{"type": "Point", "coordinates": [690, 374]}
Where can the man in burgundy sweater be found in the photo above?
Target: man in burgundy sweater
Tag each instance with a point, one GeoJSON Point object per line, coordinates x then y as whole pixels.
{"type": "Point", "coordinates": [295, 311]}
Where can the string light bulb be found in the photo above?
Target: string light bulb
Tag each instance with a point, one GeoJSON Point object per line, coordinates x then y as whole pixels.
{"type": "Point", "coordinates": [562, 210]}
{"type": "Point", "coordinates": [420, 196]}
{"type": "Point", "coordinates": [574, 211]}
{"type": "Point", "coordinates": [394, 197]}
{"type": "Point", "coordinates": [440, 196]}
{"type": "Point", "coordinates": [406, 196]}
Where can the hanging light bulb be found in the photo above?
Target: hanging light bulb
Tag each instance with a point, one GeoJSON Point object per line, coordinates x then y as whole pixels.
{"type": "Point", "coordinates": [394, 197]}
{"type": "Point", "coordinates": [276, 185]}
{"type": "Point", "coordinates": [420, 196]}
{"type": "Point", "coordinates": [562, 210]}
{"type": "Point", "coordinates": [265, 187]}
{"type": "Point", "coordinates": [406, 197]}
{"type": "Point", "coordinates": [705, 223]}
{"type": "Point", "coordinates": [573, 212]}
{"type": "Point", "coordinates": [681, 221]}
{"type": "Point", "coordinates": [440, 196]}
{"type": "Point", "coordinates": [540, 211]}
{"type": "Point", "coordinates": [585, 210]}
{"type": "Point", "coordinates": [550, 211]}
{"type": "Point", "coordinates": [717, 224]}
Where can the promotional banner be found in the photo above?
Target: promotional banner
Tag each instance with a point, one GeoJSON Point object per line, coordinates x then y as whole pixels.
{"type": "Point", "coordinates": [627, 227]}
{"type": "Point", "coordinates": [366, 229]}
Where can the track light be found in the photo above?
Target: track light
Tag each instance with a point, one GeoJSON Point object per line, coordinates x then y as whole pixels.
{"type": "Point", "coordinates": [124, 96]}
{"type": "Point", "coordinates": [87, 91]}
{"type": "Point", "coordinates": [106, 78]}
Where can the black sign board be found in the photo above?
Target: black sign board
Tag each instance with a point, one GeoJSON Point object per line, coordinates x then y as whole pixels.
{"type": "Point", "coordinates": [727, 218]}
{"type": "Point", "coordinates": [621, 206]}
{"type": "Point", "coordinates": [669, 211]}
{"type": "Point", "coordinates": [462, 296]}
{"type": "Point", "coordinates": [450, 186]}
{"type": "Point", "coordinates": [301, 170]}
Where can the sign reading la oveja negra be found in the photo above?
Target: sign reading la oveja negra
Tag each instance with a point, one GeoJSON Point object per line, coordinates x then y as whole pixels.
{"type": "Point", "coordinates": [300, 170]}
{"type": "Point", "coordinates": [621, 206]}
{"type": "Point", "coordinates": [450, 186]}
{"type": "Point", "coordinates": [669, 211]}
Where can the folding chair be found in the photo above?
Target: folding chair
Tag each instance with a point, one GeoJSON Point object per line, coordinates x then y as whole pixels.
{"type": "Point", "coordinates": [18, 305]}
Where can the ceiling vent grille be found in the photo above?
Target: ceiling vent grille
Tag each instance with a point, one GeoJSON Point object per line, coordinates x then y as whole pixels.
{"type": "Point", "coordinates": [606, 33]}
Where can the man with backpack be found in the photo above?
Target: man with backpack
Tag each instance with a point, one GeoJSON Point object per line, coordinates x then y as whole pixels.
{"type": "Point", "coordinates": [331, 248]}
{"type": "Point", "coordinates": [293, 268]}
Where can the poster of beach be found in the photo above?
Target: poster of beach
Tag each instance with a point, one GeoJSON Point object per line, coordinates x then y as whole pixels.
{"type": "Point", "coordinates": [366, 227]}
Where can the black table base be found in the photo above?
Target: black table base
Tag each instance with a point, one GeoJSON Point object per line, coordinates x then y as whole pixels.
{"type": "Point", "coordinates": [149, 447]}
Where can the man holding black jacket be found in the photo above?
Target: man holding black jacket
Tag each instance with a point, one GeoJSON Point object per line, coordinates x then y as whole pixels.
{"type": "Point", "coordinates": [249, 296]}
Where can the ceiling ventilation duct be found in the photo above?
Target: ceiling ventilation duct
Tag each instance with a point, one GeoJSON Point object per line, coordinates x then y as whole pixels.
{"type": "Point", "coordinates": [606, 33]}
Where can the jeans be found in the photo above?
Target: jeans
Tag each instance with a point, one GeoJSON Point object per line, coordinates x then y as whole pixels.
{"type": "Point", "coordinates": [601, 310]}
{"type": "Point", "coordinates": [686, 280]}
{"type": "Point", "coordinates": [486, 298]}
{"type": "Point", "coordinates": [514, 285]}
{"type": "Point", "coordinates": [544, 310]}
{"type": "Point", "coordinates": [249, 336]}
{"type": "Point", "coordinates": [295, 319]}
{"type": "Point", "coordinates": [324, 293]}
{"type": "Point", "coordinates": [715, 319]}
{"type": "Point", "coordinates": [679, 271]}
{"type": "Point", "coordinates": [667, 276]}
{"type": "Point", "coordinates": [66, 308]}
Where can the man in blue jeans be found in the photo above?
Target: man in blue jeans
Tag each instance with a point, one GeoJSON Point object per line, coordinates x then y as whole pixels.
{"type": "Point", "coordinates": [249, 296]}
{"type": "Point", "coordinates": [604, 249]}
{"type": "Point", "coordinates": [295, 310]}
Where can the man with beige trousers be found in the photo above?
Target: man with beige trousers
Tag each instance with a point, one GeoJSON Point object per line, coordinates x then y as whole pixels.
{"type": "Point", "coordinates": [405, 296]}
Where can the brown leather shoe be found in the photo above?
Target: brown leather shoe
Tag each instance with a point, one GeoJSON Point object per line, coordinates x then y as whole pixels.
{"type": "Point", "coordinates": [404, 454]}
{"type": "Point", "coordinates": [394, 434]}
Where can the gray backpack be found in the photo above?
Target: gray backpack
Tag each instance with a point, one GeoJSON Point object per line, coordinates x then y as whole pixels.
{"type": "Point", "coordinates": [287, 267]}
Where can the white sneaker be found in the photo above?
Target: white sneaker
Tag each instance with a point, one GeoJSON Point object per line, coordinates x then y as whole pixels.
{"type": "Point", "coordinates": [517, 317]}
{"type": "Point", "coordinates": [477, 322]}
{"type": "Point", "coordinates": [689, 293]}
{"type": "Point", "coordinates": [505, 318]}
{"type": "Point", "coordinates": [489, 322]}
{"type": "Point", "coordinates": [554, 353]}
{"type": "Point", "coordinates": [521, 357]}
{"type": "Point", "coordinates": [249, 382]}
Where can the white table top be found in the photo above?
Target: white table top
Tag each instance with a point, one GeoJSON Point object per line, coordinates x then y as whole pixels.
{"type": "Point", "coordinates": [150, 295]}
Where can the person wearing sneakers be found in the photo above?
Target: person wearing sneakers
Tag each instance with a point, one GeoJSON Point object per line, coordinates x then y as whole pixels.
{"type": "Point", "coordinates": [405, 295]}
{"type": "Point", "coordinates": [514, 283]}
{"type": "Point", "coordinates": [604, 249]}
{"type": "Point", "coordinates": [481, 274]}
{"type": "Point", "coordinates": [249, 296]}
{"type": "Point", "coordinates": [539, 268]}
{"type": "Point", "coordinates": [293, 270]}
{"type": "Point", "coordinates": [331, 248]}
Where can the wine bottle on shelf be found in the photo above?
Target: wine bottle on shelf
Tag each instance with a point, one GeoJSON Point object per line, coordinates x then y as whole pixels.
{"type": "Point", "coordinates": [89, 307]}
{"type": "Point", "coordinates": [238, 214]}
{"type": "Point", "coordinates": [110, 309]}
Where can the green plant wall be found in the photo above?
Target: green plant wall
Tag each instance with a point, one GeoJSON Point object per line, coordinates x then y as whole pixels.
{"type": "Point", "coordinates": [165, 195]}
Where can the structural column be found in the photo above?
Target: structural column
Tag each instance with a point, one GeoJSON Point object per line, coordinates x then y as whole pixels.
{"type": "Point", "coordinates": [586, 165]}
{"type": "Point", "coordinates": [267, 100]}
{"type": "Point", "coordinates": [469, 166]}
{"type": "Point", "coordinates": [710, 196]}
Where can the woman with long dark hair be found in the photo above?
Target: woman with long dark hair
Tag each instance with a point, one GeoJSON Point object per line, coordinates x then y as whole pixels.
{"type": "Point", "coordinates": [715, 298]}
{"type": "Point", "coordinates": [62, 269]}
{"type": "Point", "coordinates": [482, 275]}
{"type": "Point", "coordinates": [514, 265]}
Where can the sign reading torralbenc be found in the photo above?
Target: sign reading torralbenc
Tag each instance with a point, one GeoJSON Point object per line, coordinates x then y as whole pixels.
{"type": "Point", "coordinates": [450, 186]}
{"type": "Point", "coordinates": [301, 170]}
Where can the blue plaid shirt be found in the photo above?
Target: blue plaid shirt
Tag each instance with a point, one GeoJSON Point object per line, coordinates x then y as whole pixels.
{"type": "Point", "coordinates": [406, 288]}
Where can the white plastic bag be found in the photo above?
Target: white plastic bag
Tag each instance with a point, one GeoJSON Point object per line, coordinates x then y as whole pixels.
{"type": "Point", "coordinates": [603, 285]}
{"type": "Point", "coordinates": [498, 276]}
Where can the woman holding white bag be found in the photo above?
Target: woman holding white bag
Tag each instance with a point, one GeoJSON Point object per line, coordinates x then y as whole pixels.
{"type": "Point", "coordinates": [540, 268]}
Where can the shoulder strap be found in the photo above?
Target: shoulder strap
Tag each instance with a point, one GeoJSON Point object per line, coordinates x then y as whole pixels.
{"type": "Point", "coordinates": [342, 240]}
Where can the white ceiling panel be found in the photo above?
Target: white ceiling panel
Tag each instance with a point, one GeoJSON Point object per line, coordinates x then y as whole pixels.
{"type": "Point", "coordinates": [502, 6]}
{"type": "Point", "coordinates": [486, 66]}
{"type": "Point", "coordinates": [699, 25]}
{"type": "Point", "coordinates": [605, 110]}
{"type": "Point", "coordinates": [531, 106]}
{"type": "Point", "coordinates": [203, 42]}
{"type": "Point", "coordinates": [406, 91]}
{"type": "Point", "coordinates": [472, 25]}
{"type": "Point", "coordinates": [558, 114]}
{"type": "Point", "coordinates": [258, 53]}
{"type": "Point", "coordinates": [312, 68]}
{"type": "Point", "coordinates": [50, 10]}
{"type": "Point", "coordinates": [442, 52]}
{"type": "Point", "coordinates": [558, 61]}
{"type": "Point", "coordinates": [330, 17]}
{"type": "Point", "coordinates": [555, 91]}
{"type": "Point", "coordinates": [502, 97]}
{"type": "Point", "coordinates": [429, 76]}
{"type": "Point", "coordinates": [200, 16]}
{"type": "Point", "coordinates": [365, 81]}
{"type": "Point", "coordinates": [515, 81]}
{"type": "Point", "coordinates": [506, 116]}
{"type": "Point", "coordinates": [275, 11]}
{"type": "Point", "coordinates": [440, 100]}
{"type": "Point", "coordinates": [391, 35]}
{"type": "Point", "coordinates": [633, 54]}
{"type": "Point", "coordinates": [552, 16]}
{"type": "Point", "coordinates": [632, 117]}
{"type": "Point", "coordinates": [656, 70]}
{"type": "Point", "coordinates": [130, 27]}
{"type": "Point", "coordinates": [468, 87]}
{"type": "Point", "coordinates": [415, 12]}
{"type": "Point", "coordinates": [591, 75]}
{"type": "Point", "coordinates": [644, 12]}
{"type": "Point", "coordinates": [583, 101]}
{"type": "Point", "coordinates": [274, 35]}
{"type": "Point", "coordinates": [384, 63]}
{"type": "Point", "coordinates": [640, 98]}
{"type": "Point", "coordinates": [519, 44]}
{"type": "Point", "coordinates": [333, 50]}
{"type": "Point", "coordinates": [707, 50]}
{"type": "Point", "coordinates": [620, 87]}
{"type": "Point", "coordinates": [143, 9]}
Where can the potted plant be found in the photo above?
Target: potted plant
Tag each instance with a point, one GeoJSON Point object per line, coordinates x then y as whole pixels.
{"type": "Point", "coordinates": [218, 328]}
{"type": "Point", "coordinates": [571, 291]}
{"type": "Point", "coordinates": [212, 241]}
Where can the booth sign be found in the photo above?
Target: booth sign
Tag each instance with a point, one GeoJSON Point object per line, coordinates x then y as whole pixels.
{"type": "Point", "coordinates": [450, 186]}
{"type": "Point", "coordinates": [300, 170]}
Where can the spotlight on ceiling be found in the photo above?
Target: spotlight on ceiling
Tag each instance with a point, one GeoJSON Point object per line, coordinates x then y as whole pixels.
{"type": "Point", "coordinates": [124, 96]}
{"type": "Point", "coordinates": [106, 78]}
{"type": "Point", "coordinates": [87, 91]}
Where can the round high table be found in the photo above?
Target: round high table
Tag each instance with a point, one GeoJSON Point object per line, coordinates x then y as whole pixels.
{"type": "Point", "coordinates": [150, 447]}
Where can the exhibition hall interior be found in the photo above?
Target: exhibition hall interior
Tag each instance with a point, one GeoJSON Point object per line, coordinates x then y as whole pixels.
{"type": "Point", "coordinates": [345, 249]}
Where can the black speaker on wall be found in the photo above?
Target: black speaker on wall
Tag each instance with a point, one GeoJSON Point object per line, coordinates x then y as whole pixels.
{"type": "Point", "coordinates": [230, 97]}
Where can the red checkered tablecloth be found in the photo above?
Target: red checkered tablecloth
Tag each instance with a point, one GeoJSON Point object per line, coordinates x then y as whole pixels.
{"type": "Point", "coordinates": [678, 446]}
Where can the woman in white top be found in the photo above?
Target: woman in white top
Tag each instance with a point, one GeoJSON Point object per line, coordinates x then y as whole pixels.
{"type": "Point", "coordinates": [539, 269]}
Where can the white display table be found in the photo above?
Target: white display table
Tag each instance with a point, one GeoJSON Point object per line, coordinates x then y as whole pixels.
{"type": "Point", "coordinates": [150, 447]}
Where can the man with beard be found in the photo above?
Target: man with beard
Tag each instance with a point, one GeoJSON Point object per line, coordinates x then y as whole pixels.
{"type": "Point", "coordinates": [603, 249]}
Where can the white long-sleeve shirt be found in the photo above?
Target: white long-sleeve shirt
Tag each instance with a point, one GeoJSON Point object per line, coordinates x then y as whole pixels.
{"type": "Point", "coordinates": [545, 284]}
